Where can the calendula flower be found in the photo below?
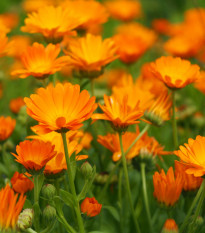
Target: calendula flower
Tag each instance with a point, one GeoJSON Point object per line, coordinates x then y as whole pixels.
{"type": "Point", "coordinates": [66, 107]}
{"type": "Point", "coordinates": [7, 125]}
{"type": "Point", "coordinates": [125, 10]}
{"type": "Point", "coordinates": [192, 155]}
{"type": "Point", "coordinates": [167, 188]}
{"type": "Point", "coordinates": [175, 72]}
{"type": "Point", "coordinates": [16, 104]}
{"type": "Point", "coordinates": [170, 226]}
{"type": "Point", "coordinates": [52, 22]}
{"type": "Point", "coordinates": [5, 46]}
{"type": "Point", "coordinates": [90, 54]}
{"type": "Point", "coordinates": [190, 182]}
{"type": "Point", "coordinates": [118, 112]}
{"type": "Point", "coordinates": [90, 207]}
{"type": "Point", "coordinates": [40, 61]}
{"type": "Point", "coordinates": [85, 140]}
{"type": "Point", "coordinates": [20, 183]}
{"type": "Point", "coordinates": [132, 41]}
{"type": "Point", "coordinates": [95, 14]}
{"type": "Point", "coordinates": [58, 163]}
{"type": "Point", "coordinates": [10, 20]}
{"type": "Point", "coordinates": [34, 155]}
{"type": "Point", "coordinates": [159, 110]}
{"type": "Point", "coordinates": [200, 83]}
{"type": "Point", "coordinates": [161, 26]}
{"type": "Point", "coordinates": [30, 5]}
{"type": "Point", "coordinates": [10, 208]}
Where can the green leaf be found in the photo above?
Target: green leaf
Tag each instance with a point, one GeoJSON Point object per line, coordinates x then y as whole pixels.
{"type": "Point", "coordinates": [4, 170]}
{"type": "Point", "coordinates": [27, 204]}
{"type": "Point", "coordinates": [40, 182]}
{"type": "Point", "coordinates": [87, 185]}
{"type": "Point", "coordinates": [113, 212]}
{"type": "Point", "coordinates": [67, 198]}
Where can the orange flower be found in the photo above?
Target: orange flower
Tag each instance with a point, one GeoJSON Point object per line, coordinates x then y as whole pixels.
{"type": "Point", "coordinates": [58, 163]}
{"type": "Point", "coordinates": [86, 140]}
{"type": "Point", "coordinates": [4, 45]}
{"type": "Point", "coordinates": [200, 83]}
{"type": "Point", "coordinates": [90, 207]}
{"type": "Point", "coordinates": [91, 53]}
{"type": "Point", "coordinates": [30, 5]}
{"type": "Point", "coordinates": [52, 22]}
{"type": "Point", "coordinates": [192, 154]}
{"type": "Point", "coordinates": [10, 208]}
{"type": "Point", "coordinates": [94, 15]}
{"type": "Point", "coordinates": [190, 182]}
{"type": "Point", "coordinates": [133, 40]}
{"type": "Point", "coordinates": [167, 188]}
{"type": "Point", "coordinates": [161, 26]}
{"type": "Point", "coordinates": [159, 110]}
{"type": "Point", "coordinates": [62, 107]}
{"type": "Point", "coordinates": [7, 125]}
{"type": "Point", "coordinates": [170, 226]}
{"type": "Point", "coordinates": [175, 72]}
{"type": "Point", "coordinates": [124, 10]}
{"type": "Point", "coordinates": [16, 104]}
{"type": "Point", "coordinates": [40, 62]}
{"type": "Point", "coordinates": [20, 183]}
{"type": "Point", "coordinates": [10, 20]}
{"type": "Point", "coordinates": [34, 155]}
{"type": "Point", "coordinates": [118, 112]}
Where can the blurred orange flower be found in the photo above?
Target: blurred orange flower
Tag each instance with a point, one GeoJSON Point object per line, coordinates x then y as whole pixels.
{"type": "Point", "coordinates": [52, 22]}
{"type": "Point", "coordinates": [170, 226]}
{"type": "Point", "coordinates": [125, 10]}
{"type": "Point", "coordinates": [192, 155]}
{"type": "Point", "coordinates": [7, 125]}
{"type": "Point", "coordinates": [85, 140]}
{"type": "Point", "coordinates": [31, 5]}
{"type": "Point", "coordinates": [66, 107]}
{"type": "Point", "coordinates": [190, 182]}
{"type": "Point", "coordinates": [91, 53]}
{"type": "Point", "coordinates": [167, 188]}
{"type": "Point", "coordinates": [175, 72]}
{"type": "Point", "coordinates": [94, 15]}
{"type": "Point", "coordinates": [200, 82]}
{"type": "Point", "coordinates": [119, 112]}
{"type": "Point", "coordinates": [20, 183]}
{"type": "Point", "coordinates": [10, 20]}
{"type": "Point", "coordinates": [16, 104]}
{"type": "Point", "coordinates": [90, 207]}
{"type": "Point", "coordinates": [40, 62]}
{"type": "Point", "coordinates": [161, 26]}
{"type": "Point", "coordinates": [5, 46]}
{"type": "Point", "coordinates": [34, 155]}
{"type": "Point", "coordinates": [10, 208]}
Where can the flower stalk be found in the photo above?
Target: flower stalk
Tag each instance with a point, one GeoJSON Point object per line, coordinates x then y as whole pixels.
{"type": "Point", "coordinates": [174, 121]}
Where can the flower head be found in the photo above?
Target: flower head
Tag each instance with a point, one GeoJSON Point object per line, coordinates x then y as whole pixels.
{"type": "Point", "coordinates": [190, 182]}
{"type": "Point", "coordinates": [52, 22]}
{"type": "Point", "coordinates": [10, 208]}
{"type": "Point", "coordinates": [200, 83]}
{"type": "Point", "coordinates": [20, 183]}
{"type": "Point", "coordinates": [91, 53]}
{"type": "Point", "coordinates": [58, 108]}
{"type": "Point", "coordinates": [175, 72]}
{"type": "Point", "coordinates": [167, 188]}
{"type": "Point", "coordinates": [16, 104]}
{"type": "Point", "coordinates": [40, 62]}
{"type": "Point", "coordinates": [90, 207]}
{"type": "Point", "coordinates": [124, 10]}
{"type": "Point", "coordinates": [118, 112]}
{"type": "Point", "coordinates": [170, 226]}
{"type": "Point", "coordinates": [7, 125]}
{"type": "Point", "coordinates": [193, 156]}
{"type": "Point", "coordinates": [34, 155]}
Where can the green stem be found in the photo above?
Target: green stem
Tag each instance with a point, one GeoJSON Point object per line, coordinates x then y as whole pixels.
{"type": "Point", "coordinates": [72, 185]}
{"type": "Point", "coordinates": [137, 138]}
{"type": "Point", "coordinates": [174, 121]}
{"type": "Point", "coordinates": [49, 228]}
{"type": "Point", "coordinates": [108, 180]}
{"type": "Point", "coordinates": [120, 198]}
{"type": "Point", "coordinates": [124, 162]}
{"type": "Point", "coordinates": [29, 230]}
{"type": "Point", "coordinates": [36, 204]}
{"type": "Point", "coordinates": [57, 184]}
{"type": "Point", "coordinates": [144, 188]}
{"type": "Point", "coordinates": [186, 220]}
{"type": "Point", "coordinates": [69, 229]}
{"type": "Point", "coordinates": [197, 212]}
{"type": "Point", "coordinates": [92, 87]}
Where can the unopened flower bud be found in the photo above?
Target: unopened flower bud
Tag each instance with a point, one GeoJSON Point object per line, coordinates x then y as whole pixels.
{"type": "Point", "coordinates": [25, 219]}
{"type": "Point", "coordinates": [48, 191]}
{"type": "Point", "coordinates": [86, 169]}
{"type": "Point", "coordinates": [49, 213]}
{"type": "Point", "coordinates": [170, 226]}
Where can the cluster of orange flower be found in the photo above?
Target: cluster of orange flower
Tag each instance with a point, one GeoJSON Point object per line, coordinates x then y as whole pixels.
{"type": "Point", "coordinates": [67, 39]}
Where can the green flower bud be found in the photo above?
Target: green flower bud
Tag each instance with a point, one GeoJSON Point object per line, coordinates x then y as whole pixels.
{"type": "Point", "coordinates": [48, 191]}
{"type": "Point", "coordinates": [49, 213]}
{"type": "Point", "coordinates": [25, 219]}
{"type": "Point", "coordinates": [86, 169]}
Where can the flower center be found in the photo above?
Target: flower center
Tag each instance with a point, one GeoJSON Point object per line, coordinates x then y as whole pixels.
{"type": "Point", "coordinates": [60, 122]}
